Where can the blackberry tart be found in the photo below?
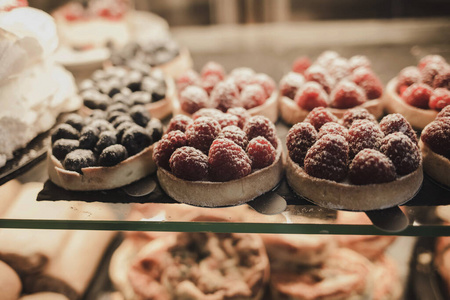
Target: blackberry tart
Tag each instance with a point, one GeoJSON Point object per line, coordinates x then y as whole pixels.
{"type": "Point", "coordinates": [106, 150]}
{"type": "Point", "coordinates": [214, 88]}
{"type": "Point", "coordinates": [355, 163]}
{"type": "Point", "coordinates": [219, 159]}
{"type": "Point", "coordinates": [333, 82]}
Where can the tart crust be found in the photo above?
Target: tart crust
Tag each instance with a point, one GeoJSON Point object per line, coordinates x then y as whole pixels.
{"type": "Point", "coordinates": [102, 178]}
{"type": "Point", "coordinates": [215, 194]}
{"type": "Point", "coordinates": [345, 196]}
{"type": "Point", "coordinates": [268, 109]}
{"type": "Point", "coordinates": [418, 117]}
{"type": "Point", "coordinates": [291, 113]}
{"type": "Point", "coordinates": [435, 165]}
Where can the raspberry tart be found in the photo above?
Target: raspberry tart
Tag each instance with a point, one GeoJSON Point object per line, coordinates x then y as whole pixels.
{"type": "Point", "coordinates": [435, 146]}
{"type": "Point", "coordinates": [332, 82]}
{"type": "Point", "coordinates": [105, 150]}
{"type": "Point", "coordinates": [419, 93]}
{"type": "Point", "coordinates": [219, 159]}
{"type": "Point", "coordinates": [353, 163]}
{"type": "Point", "coordinates": [213, 88]}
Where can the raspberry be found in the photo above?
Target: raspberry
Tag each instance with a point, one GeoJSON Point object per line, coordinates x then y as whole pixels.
{"type": "Point", "coordinates": [242, 77]}
{"type": "Point", "coordinates": [319, 116]}
{"type": "Point", "coordinates": [435, 59]}
{"type": "Point", "coordinates": [202, 132]}
{"type": "Point", "coordinates": [363, 134]}
{"type": "Point", "coordinates": [190, 77]}
{"type": "Point", "coordinates": [444, 113]}
{"type": "Point", "coordinates": [311, 95]}
{"type": "Point", "coordinates": [189, 163]}
{"type": "Point", "coordinates": [403, 152]}
{"type": "Point", "coordinates": [347, 94]}
{"type": "Point", "coordinates": [299, 139]}
{"type": "Point", "coordinates": [225, 95]}
{"type": "Point", "coordinates": [213, 68]}
{"type": "Point", "coordinates": [210, 82]}
{"type": "Point", "coordinates": [193, 98]}
{"type": "Point", "coordinates": [397, 123]}
{"type": "Point", "coordinates": [370, 167]}
{"type": "Point", "coordinates": [179, 122]}
{"type": "Point", "coordinates": [235, 134]}
{"type": "Point", "coordinates": [163, 149]}
{"type": "Point", "coordinates": [439, 99]}
{"type": "Point", "coordinates": [327, 158]}
{"type": "Point", "coordinates": [228, 161]}
{"type": "Point", "coordinates": [339, 68]}
{"type": "Point", "coordinates": [242, 114]}
{"type": "Point", "coordinates": [359, 61]}
{"type": "Point", "coordinates": [430, 71]}
{"type": "Point", "coordinates": [442, 80]}
{"type": "Point", "coordinates": [261, 126]}
{"type": "Point", "coordinates": [226, 120]}
{"type": "Point", "coordinates": [261, 153]}
{"type": "Point", "coordinates": [290, 83]}
{"type": "Point", "coordinates": [301, 64]}
{"type": "Point", "coordinates": [206, 112]}
{"type": "Point", "coordinates": [357, 113]}
{"type": "Point", "coordinates": [417, 95]}
{"type": "Point", "coordinates": [369, 82]}
{"type": "Point", "coordinates": [333, 128]}
{"type": "Point", "coordinates": [320, 75]}
{"type": "Point", "coordinates": [407, 77]}
{"type": "Point", "coordinates": [327, 57]}
{"type": "Point", "coordinates": [437, 136]}
{"type": "Point", "coordinates": [253, 95]}
{"type": "Point", "coordinates": [265, 82]}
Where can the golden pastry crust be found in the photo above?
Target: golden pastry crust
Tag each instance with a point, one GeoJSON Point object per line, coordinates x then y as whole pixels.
{"type": "Point", "coordinates": [335, 195]}
{"type": "Point", "coordinates": [435, 165]}
{"type": "Point", "coordinates": [216, 194]}
{"type": "Point", "coordinates": [418, 117]}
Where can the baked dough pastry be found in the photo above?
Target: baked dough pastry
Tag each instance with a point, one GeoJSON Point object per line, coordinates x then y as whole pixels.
{"type": "Point", "coordinates": [44, 296]}
{"type": "Point", "coordinates": [435, 165]}
{"type": "Point", "coordinates": [10, 284]}
{"type": "Point", "coordinates": [442, 260]}
{"type": "Point", "coordinates": [387, 279]}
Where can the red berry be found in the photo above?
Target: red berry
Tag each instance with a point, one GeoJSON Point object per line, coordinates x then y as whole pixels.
{"type": "Point", "coordinates": [226, 120]}
{"type": "Point", "coordinates": [333, 128]}
{"type": "Point", "coordinates": [371, 167]}
{"type": "Point", "coordinates": [265, 82]}
{"type": "Point", "coordinates": [397, 123]}
{"type": "Point", "coordinates": [179, 122]}
{"type": "Point", "coordinates": [210, 82]}
{"type": "Point", "coordinates": [261, 153]}
{"type": "Point", "coordinates": [163, 149]}
{"type": "Point", "coordinates": [403, 152]}
{"type": "Point", "coordinates": [225, 95]}
{"type": "Point", "coordinates": [202, 132]}
{"type": "Point", "coordinates": [319, 116]}
{"type": "Point", "coordinates": [435, 59]}
{"type": "Point", "coordinates": [235, 134]}
{"type": "Point", "coordinates": [327, 57]}
{"type": "Point", "coordinates": [290, 83]}
{"type": "Point", "coordinates": [228, 161]}
{"type": "Point", "coordinates": [437, 136]}
{"type": "Point", "coordinates": [299, 139]}
{"type": "Point", "coordinates": [369, 82]}
{"type": "Point", "coordinates": [190, 77]}
{"type": "Point", "coordinates": [213, 68]}
{"type": "Point", "coordinates": [311, 95]}
{"type": "Point", "coordinates": [347, 94]}
{"type": "Point", "coordinates": [444, 113]}
{"type": "Point", "coordinates": [253, 95]}
{"type": "Point", "coordinates": [407, 77]}
{"type": "Point", "coordinates": [359, 61]}
{"type": "Point", "coordinates": [193, 98]}
{"type": "Point", "coordinates": [442, 80]}
{"type": "Point", "coordinates": [320, 75]}
{"type": "Point", "coordinates": [357, 113]}
{"type": "Point", "coordinates": [206, 112]}
{"type": "Point", "coordinates": [439, 99]}
{"type": "Point", "coordinates": [363, 134]}
{"type": "Point", "coordinates": [417, 95]}
{"type": "Point", "coordinates": [189, 163]}
{"type": "Point", "coordinates": [242, 77]}
{"type": "Point", "coordinates": [430, 71]}
{"type": "Point", "coordinates": [339, 68]}
{"type": "Point", "coordinates": [242, 114]}
{"type": "Point", "coordinates": [327, 158]}
{"type": "Point", "coordinates": [301, 64]}
{"type": "Point", "coordinates": [261, 126]}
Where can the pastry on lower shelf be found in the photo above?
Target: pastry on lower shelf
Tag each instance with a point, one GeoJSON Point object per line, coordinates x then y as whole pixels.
{"type": "Point", "coordinates": [213, 88]}
{"type": "Point", "coordinates": [435, 146]}
{"type": "Point", "coordinates": [419, 93]}
{"type": "Point", "coordinates": [217, 160]}
{"type": "Point", "coordinates": [387, 284]}
{"type": "Point", "coordinates": [360, 165]}
{"type": "Point", "coordinates": [10, 284]}
{"type": "Point", "coordinates": [333, 82]}
{"type": "Point", "coordinates": [442, 260]}
{"type": "Point", "coordinates": [9, 193]}
{"type": "Point", "coordinates": [44, 296]}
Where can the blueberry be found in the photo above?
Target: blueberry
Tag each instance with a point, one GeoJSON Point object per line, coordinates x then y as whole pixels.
{"type": "Point", "coordinates": [117, 107]}
{"type": "Point", "coordinates": [133, 81]}
{"type": "Point", "coordinates": [122, 128]}
{"type": "Point", "coordinates": [65, 131]}
{"type": "Point", "coordinates": [135, 139]}
{"type": "Point", "coordinates": [158, 75]}
{"type": "Point", "coordinates": [105, 139]}
{"type": "Point", "coordinates": [63, 146]}
{"type": "Point", "coordinates": [126, 91]}
{"type": "Point", "coordinates": [140, 98]}
{"type": "Point", "coordinates": [140, 115]}
{"type": "Point", "coordinates": [95, 100]}
{"type": "Point", "coordinates": [159, 92]}
{"type": "Point", "coordinates": [87, 84]}
{"type": "Point", "coordinates": [97, 114]}
{"type": "Point", "coordinates": [139, 66]}
{"type": "Point", "coordinates": [155, 129]}
{"type": "Point", "coordinates": [114, 87]}
{"type": "Point", "coordinates": [104, 86]}
{"type": "Point", "coordinates": [121, 119]}
{"type": "Point", "coordinates": [122, 98]}
{"type": "Point", "coordinates": [78, 159]}
{"type": "Point", "coordinates": [116, 72]}
{"type": "Point", "coordinates": [129, 50]}
{"type": "Point", "coordinates": [149, 84]}
{"type": "Point", "coordinates": [99, 75]}
{"type": "Point", "coordinates": [162, 57]}
{"type": "Point", "coordinates": [112, 116]}
{"type": "Point", "coordinates": [75, 120]}
{"type": "Point", "coordinates": [102, 125]}
{"type": "Point", "coordinates": [89, 137]}
{"type": "Point", "coordinates": [112, 155]}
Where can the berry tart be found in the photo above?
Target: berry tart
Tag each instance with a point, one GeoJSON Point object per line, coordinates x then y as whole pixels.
{"type": "Point", "coordinates": [419, 93]}
{"type": "Point", "coordinates": [219, 159]}
{"type": "Point", "coordinates": [353, 163]}
{"type": "Point", "coordinates": [120, 86]}
{"type": "Point", "coordinates": [332, 82]}
{"type": "Point", "coordinates": [435, 146]}
{"type": "Point", "coordinates": [213, 88]}
{"type": "Point", "coordinates": [105, 150]}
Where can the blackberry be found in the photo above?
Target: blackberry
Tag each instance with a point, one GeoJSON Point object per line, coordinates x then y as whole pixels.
{"type": "Point", "coordinates": [95, 100]}
{"type": "Point", "coordinates": [89, 137]}
{"type": "Point", "coordinates": [140, 97]}
{"type": "Point", "coordinates": [112, 155]}
{"type": "Point", "coordinates": [63, 146]}
{"type": "Point", "coordinates": [75, 120]}
{"type": "Point", "coordinates": [140, 115]}
{"type": "Point", "coordinates": [155, 129]}
{"type": "Point", "coordinates": [105, 139]}
{"type": "Point", "coordinates": [65, 131]}
{"type": "Point", "coordinates": [135, 139]}
{"type": "Point", "coordinates": [78, 159]}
